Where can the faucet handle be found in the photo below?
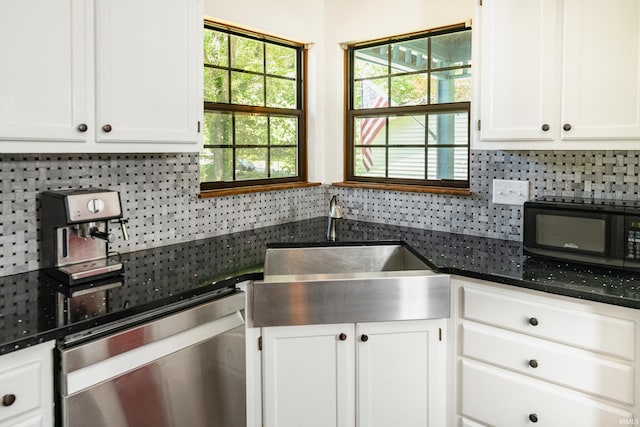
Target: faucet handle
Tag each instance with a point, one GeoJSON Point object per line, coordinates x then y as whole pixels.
{"type": "Point", "coordinates": [335, 211]}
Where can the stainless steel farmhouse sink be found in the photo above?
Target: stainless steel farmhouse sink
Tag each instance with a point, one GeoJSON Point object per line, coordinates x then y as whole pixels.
{"type": "Point", "coordinates": [345, 284]}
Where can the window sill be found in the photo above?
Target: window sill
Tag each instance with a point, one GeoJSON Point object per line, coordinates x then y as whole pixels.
{"type": "Point", "coordinates": [255, 189]}
{"type": "Point", "coordinates": [409, 188]}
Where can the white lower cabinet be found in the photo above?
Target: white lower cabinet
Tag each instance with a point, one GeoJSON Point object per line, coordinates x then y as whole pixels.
{"type": "Point", "coordinates": [26, 387]}
{"type": "Point", "coordinates": [365, 374]}
{"type": "Point", "coordinates": [527, 357]}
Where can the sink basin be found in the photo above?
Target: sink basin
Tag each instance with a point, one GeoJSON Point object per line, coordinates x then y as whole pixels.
{"type": "Point", "coordinates": [347, 284]}
{"type": "Point", "coordinates": [341, 260]}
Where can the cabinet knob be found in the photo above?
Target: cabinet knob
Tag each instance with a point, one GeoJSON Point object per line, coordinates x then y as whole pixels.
{"type": "Point", "coordinates": [342, 336]}
{"type": "Point", "coordinates": [566, 127]}
{"type": "Point", "coordinates": [8, 399]}
{"type": "Point", "coordinates": [82, 127]}
{"type": "Point", "coordinates": [533, 321]}
{"type": "Point", "coordinates": [533, 418]}
{"type": "Point", "coordinates": [364, 338]}
{"type": "Point", "coordinates": [533, 363]}
{"type": "Point", "coordinates": [106, 128]}
{"type": "Point", "coordinates": [546, 127]}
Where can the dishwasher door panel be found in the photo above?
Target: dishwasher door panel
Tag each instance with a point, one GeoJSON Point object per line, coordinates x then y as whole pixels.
{"type": "Point", "coordinates": [199, 386]}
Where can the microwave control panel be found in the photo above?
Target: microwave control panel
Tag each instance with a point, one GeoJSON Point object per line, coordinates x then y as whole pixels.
{"type": "Point", "coordinates": [632, 247]}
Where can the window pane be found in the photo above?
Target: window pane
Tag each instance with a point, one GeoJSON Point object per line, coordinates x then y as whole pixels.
{"type": "Point", "coordinates": [410, 90]}
{"type": "Point", "coordinates": [217, 129]}
{"type": "Point", "coordinates": [369, 161]}
{"type": "Point", "coordinates": [216, 164]}
{"type": "Point", "coordinates": [215, 48]}
{"type": "Point", "coordinates": [284, 130]}
{"type": "Point", "coordinates": [371, 62]}
{"type": "Point", "coordinates": [247, 54]}
{"type": "Point", "coordinates": [369, 130]}
{"type": "Point", "coordinates": [450, 50]}
{"type": "Point", "coordinates": [251, 163]}
{"type": "Point", "coordinates": [407, 130]}
{"type": "Point", "coordinates": [283, 162]}
{"type": "Point", "coordinates": [370, 94]}
{"type": "Point", "coordinates": [451, 86]}
{"type": "Point", "coordinates": [410, 55]}
{"type": "Point", "coordinates": [449, 128]}
{"type": "Point", "coordinates": [247, 89]}
{"type": "Point", "coordinates": [281, 93]}
{"type": "Point", "coordinates": [406, 162]}
{"type": "Point", "coordinates": [251, 129]}
{"type": "Point", "coordinates": [281, 60]}
{"type": "Point", "coordinates": [216, 85]}
{"type": "Point", "coordinates": [447, 163]}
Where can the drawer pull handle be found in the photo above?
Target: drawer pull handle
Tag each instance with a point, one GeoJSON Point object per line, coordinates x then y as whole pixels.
{"type": "Point", "coordinates": [8, 399]}
{"type": "Point", "coordinates": [533, 418]}
{"type": "Point", "coordinates": [342, 336]}
{"type": "Point", "coordinates": [82, 127]}
{"type": "Point", "coordinates": [533, 363]}
{"type": "Point", "coordinates": [533, 321]}
{"type": "Point", "coordinates": [364, 338]}
{"type": "Point", "coordinates": [546, 127]}
{"type": "Point", "coordinates": [107, 128]}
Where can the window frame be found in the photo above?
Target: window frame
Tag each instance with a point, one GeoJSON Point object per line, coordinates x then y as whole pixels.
{"type": "Point", "coordinates": [300, 113]}
{"type": "Point", "coordinates": [352, 113]}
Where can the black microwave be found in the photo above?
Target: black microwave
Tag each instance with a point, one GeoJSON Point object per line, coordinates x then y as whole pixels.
{"type": "Point", "coordinates": [589, 231]}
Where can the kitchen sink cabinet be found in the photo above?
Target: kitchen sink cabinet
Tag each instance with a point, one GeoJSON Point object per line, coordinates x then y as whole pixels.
{"type": "Point", "coordinates": [548, 74]}
{"type": "Point", "coordinates": [26, 387]}
{"type": "Point", "coordinates": [380, 373]}
{"type": "Point", "coordinates": [101, 76]}
{"type": "Point", "coordinates": [546, 358]}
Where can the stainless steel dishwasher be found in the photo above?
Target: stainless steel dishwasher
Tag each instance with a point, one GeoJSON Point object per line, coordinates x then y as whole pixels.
{"type": "Point", "coordinates": [184, 369]}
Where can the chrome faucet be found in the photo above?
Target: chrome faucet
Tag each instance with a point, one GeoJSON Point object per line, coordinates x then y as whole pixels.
{"type": "Point", "coordinates": [335, 212]}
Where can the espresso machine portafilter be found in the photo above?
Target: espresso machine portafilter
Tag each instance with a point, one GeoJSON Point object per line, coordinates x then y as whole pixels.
{"type": "Point", "coordinates": [75, 234]}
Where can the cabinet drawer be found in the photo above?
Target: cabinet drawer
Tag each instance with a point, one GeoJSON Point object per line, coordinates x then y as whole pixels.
{"type": "Point", "coordinates": [551, 319]}
{"type": "Point", "coordinates": [514, 398]}
{"type": "Point", "coordinates": [561, 364]}
{"type": "Point", "coordinates": [23, 382]}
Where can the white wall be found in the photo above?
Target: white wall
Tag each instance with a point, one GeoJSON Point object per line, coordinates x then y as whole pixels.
{"type": "Point", "coordinates": [327, 24]}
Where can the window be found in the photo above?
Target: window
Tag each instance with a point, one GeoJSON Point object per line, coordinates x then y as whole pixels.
{"type": "Point", "coordinates": [254, 120]}
{"type": "Point", "coordinates": [408, 109]}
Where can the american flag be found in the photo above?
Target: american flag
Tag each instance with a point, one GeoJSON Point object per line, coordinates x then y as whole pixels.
{"type": "Point", "coordinates": [372, 97]}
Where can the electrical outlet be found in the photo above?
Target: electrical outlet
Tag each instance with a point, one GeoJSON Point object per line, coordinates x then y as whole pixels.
{"type": "Point", "coordinates": [510, 192]}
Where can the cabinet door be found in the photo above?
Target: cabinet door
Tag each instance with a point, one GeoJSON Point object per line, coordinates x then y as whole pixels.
{"type": "Point", "coordinates": [43, 75]}
{"type": "Point", "coordinates": [518, 70]}
{"type": "Point", "coordinates": [308, 376]}
{"type": "Point", "coordinates": [148, 71]}
{"type": "Point", "coordinates": [28, 375]}
{"type": "Point", "coordinates": [401, 374]}
{"type": "Point", "coordinates": [601, 70]}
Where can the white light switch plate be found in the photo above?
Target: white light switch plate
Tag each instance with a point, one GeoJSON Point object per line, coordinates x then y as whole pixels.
{"type": "Point", "coordinates": [510, 192]}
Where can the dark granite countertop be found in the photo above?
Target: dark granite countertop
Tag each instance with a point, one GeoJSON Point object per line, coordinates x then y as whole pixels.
{"type": "Point", "coordinates": [157, 281]}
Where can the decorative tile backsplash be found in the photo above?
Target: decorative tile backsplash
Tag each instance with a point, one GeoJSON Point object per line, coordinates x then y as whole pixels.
{"type": "Point", "coordinates": [159, 196]}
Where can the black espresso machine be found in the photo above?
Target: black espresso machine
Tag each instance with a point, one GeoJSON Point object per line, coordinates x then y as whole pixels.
{"type": "Point", "coordinates": [75, 234]}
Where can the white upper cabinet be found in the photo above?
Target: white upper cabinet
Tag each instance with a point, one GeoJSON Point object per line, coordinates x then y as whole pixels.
{"type": "Point", "coordinates": [148, 71]}
{"type": "Point", "coordinates": [559, 74]}
{"type": "Point", "coordinates": [518, 73]}
{"type": "Point", "coordinates": [601, 70]}
{"type": "Point", "coordinates": [43, 74]}
{"type": "Point", "coordinates": [101, 76]}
